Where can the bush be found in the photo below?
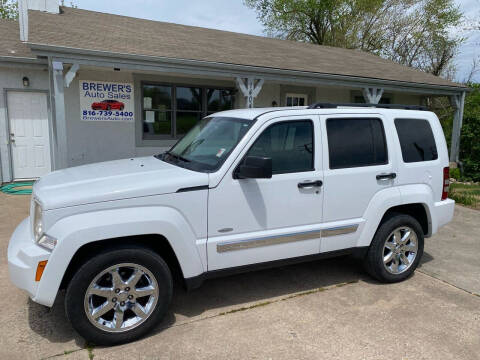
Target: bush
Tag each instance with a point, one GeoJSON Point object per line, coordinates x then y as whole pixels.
{"type": "Point", "coordinates": [455, 173]}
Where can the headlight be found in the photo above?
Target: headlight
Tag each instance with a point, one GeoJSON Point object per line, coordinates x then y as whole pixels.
{"type": "Point", "coordinates": [37, 221]}
{"type": "Point", "coordinates": [41, 238]}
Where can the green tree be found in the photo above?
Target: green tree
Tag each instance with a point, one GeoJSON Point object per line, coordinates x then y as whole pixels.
{"type": "Point", "coordinates": [469, 140]}
{"type": "Point", "coordinates": [8, 9]}
{"type": "Point", "coordinates": [410, 32]}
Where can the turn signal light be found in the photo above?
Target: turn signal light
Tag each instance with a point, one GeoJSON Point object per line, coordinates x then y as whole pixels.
{"type": "Point", "coordinates": [40, 267]}
{"type": "Point", "coordinates": [446, 182]}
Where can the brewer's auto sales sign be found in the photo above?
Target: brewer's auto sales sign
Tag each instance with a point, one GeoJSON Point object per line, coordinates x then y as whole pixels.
{"type": "Point", "coordinates": [106, 101]}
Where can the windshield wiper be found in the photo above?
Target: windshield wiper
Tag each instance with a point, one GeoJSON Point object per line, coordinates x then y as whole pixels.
{"type": "Point", "coordinates": [178, 157]}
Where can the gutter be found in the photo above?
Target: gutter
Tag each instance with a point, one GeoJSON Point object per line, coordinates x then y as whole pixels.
{"type": "Point", "coordinates": [23, 62]}
{"type": "Point", "coordinates": [97, 57]}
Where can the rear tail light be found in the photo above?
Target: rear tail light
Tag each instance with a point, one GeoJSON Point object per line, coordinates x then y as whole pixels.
{"type": "Point", "coordinates": [446, 182]}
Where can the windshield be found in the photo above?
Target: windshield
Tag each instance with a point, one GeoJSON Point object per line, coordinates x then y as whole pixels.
{"type": "Point", "coordinates": [207, 145]}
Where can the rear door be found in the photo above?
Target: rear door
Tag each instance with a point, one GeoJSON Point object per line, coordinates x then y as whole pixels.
{"type": "Point", "coordinates": [357, 164]}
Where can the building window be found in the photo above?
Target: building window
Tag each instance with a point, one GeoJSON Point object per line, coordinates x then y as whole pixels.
{"type": "Point", "coordinates": [219, 100]}
{"type": "Point", "coordinates": [356, 142]}
{"type": "Point", "coordinates": [296, 99]}
{"type": "Point", "coordinates": [170, 111]}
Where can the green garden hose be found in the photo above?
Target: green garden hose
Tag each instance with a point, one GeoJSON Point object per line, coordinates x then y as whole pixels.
{"type": "Point", "coordinates": [18, 188]}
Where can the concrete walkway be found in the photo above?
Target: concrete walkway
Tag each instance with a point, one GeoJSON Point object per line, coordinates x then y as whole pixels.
{"type": "Point", "coordinates": [326, 309]}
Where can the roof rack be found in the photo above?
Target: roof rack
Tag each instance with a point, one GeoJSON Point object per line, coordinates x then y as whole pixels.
{"type": "Point", "coordinates": [382, 106]}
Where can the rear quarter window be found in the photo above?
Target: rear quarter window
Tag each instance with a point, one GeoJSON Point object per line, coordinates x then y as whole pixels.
{"type": "Point", "coordinates": [416, 140]}
{"type": "Point", "coordinates": [356, 142]}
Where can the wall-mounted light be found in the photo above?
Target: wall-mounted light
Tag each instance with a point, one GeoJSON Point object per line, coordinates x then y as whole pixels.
{"type": "Point", "coordinates": [26, 81]}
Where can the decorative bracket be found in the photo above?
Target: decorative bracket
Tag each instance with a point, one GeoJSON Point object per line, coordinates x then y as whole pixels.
{"type": "Point", "coordinates": [70, 75]}
{"type": "Point", "coordinates": [250, 88]}
{"type": "Point", "coordinates": [372, 95]}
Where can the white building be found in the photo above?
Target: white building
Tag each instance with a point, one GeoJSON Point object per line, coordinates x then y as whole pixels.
{"type": "Point", "coordinates": [154, 80]}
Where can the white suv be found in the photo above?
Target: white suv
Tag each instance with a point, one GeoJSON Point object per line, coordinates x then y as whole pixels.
{"type": "Point", "coordinates": [243, 189]}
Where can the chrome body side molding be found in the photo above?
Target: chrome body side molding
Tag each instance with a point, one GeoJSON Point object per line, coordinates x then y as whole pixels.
{"type": "Point", "coordinates": [341, 230]}
{"type": "Point", "coordinates": [283, 239]}
{"type": "Point", "coordinates": [267, 241]}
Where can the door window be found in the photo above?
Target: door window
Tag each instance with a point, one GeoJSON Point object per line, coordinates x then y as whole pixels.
{"type": "Point", "coordinates": [356, 142]}
{"type": "Point", "coordinates": [289, 144]}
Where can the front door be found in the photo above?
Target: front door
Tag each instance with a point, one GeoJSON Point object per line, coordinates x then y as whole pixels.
{"type": "Point", "coordinates": [259, 220]}
{"type": "Point", "coordinates": [29, 134]}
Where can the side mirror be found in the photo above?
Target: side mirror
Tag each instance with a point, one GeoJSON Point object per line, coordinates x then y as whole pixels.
{"type": "Point", "coordinates": [254, 167]}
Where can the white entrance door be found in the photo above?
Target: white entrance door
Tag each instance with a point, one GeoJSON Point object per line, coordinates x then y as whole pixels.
{"type": "Point", "coordinates": [29, 134]}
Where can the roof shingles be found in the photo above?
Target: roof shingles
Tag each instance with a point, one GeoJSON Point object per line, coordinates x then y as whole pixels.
{"type": "Point", "coordinates": [10, 44]}
{"type": "Point", "coordinates": [88, 30]}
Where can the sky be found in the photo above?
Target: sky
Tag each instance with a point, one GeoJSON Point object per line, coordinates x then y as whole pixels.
{"type": "Point", "coordinates": [233, 15]}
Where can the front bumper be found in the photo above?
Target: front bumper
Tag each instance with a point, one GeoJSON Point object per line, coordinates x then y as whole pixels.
{"type": "Point", "coordinates": [23, 258]}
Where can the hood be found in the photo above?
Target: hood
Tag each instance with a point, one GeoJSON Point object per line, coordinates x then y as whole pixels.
{"type": "Point", "coordinates": [113, 180]}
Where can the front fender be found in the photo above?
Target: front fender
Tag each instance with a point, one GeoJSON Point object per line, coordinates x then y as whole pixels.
{"type": "Point", "coordinates": [77, 230]}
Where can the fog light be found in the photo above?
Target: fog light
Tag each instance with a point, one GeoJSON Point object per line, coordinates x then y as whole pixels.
{"type": "Point", "coordinates": [40, 267]}
{"type": "Point", "coordinates": [47, 242]}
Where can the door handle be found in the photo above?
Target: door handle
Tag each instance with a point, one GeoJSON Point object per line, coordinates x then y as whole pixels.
{"type": "Point", "coordinates": [12, 138]}
{"type": "Point", "coordinates": [386, 176]}
{"type": "Point", "coordinates": [310, 184]}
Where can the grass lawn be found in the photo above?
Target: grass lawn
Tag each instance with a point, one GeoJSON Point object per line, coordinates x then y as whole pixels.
{"type": "Point", "coordinates": [465, 194]}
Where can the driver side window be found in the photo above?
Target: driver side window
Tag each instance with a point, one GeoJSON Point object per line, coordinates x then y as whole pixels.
{"type": "Point", "coordinates": [289, 144]}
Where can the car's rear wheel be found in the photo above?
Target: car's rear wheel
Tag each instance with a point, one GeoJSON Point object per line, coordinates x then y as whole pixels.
{"type": "Point", "coordinates": [119, 295]}
{"type": "Point", "coordinates": [396, 249]}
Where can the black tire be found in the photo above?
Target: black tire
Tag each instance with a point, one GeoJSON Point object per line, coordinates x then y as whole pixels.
{"type": "Point", "coordinates": [78, 286]}
{"type": "Point", "coordinates": [374, 259]}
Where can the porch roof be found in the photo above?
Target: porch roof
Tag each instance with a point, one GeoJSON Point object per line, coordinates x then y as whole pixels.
{"type": "Point", "coordinates": [76, 29]}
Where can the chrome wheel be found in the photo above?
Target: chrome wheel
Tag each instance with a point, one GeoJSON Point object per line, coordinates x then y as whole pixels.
{"type": "Point", "coordinates": [400, 250]}
{"type": "Point", "coordinates": [121, 297]}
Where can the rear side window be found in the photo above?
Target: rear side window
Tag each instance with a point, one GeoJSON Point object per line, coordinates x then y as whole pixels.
{"type": "Point", "coordinates": [289, 144]}
{"type": "Point", "coordinates": [356, 142]}
{"type": "Point", "coordinates": [416, 140]}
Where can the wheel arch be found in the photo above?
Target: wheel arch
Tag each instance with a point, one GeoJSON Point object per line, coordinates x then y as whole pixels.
{"type": "Point", "coordinates": [414, 200]}
{"type": "Point", "coordinates": [419, 211]}
{"type": "Point", "coordinates": [83, 232]}
{"type": "Point", "coordinates": [155, 242]}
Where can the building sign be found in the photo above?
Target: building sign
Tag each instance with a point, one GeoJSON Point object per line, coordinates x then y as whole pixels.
{"type": "Point", "coordinates": [106, 101]}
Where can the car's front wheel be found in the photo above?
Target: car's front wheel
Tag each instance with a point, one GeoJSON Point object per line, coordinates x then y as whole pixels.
{"type": "Point", "coordinates": [396, 249]}
{"type": "Point", "coordinates": [119, 295]}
